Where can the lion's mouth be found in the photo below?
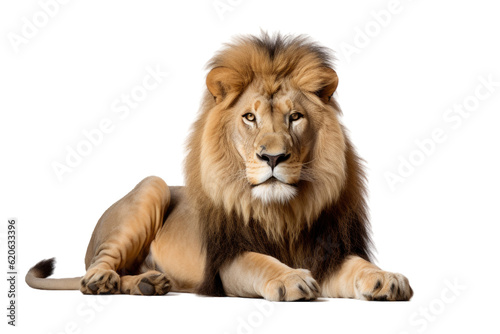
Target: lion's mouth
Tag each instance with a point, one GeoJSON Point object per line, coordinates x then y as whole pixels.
{"type": "Point", "coordinates": [273, 180]}
{"type": "Point", "coordinates": [270, 180]}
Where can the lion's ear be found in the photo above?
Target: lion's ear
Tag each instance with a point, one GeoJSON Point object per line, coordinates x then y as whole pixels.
{"type": "Point", "coordinates": [330, 81]}
{"type": "Point", "coordinates": [221, 81]}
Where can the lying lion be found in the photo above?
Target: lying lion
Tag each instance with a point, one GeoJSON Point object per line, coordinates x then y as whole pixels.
{"type": "Point", "coordinates": [274, 203]}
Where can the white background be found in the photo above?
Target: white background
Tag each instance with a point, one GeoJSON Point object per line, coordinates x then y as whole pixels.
{"type": "Point", "coordinates": [439, 227]}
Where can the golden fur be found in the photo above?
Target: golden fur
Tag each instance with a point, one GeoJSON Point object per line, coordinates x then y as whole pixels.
{"type": "Point", "coordinates": [274, 202]}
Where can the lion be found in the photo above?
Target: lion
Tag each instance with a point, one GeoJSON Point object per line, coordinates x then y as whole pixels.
{"type": "Point", "coordinates": [274, 199]}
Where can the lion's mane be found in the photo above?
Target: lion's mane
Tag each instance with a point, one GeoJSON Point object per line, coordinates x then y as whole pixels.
{"type": "Point", "coordinates": [324, 223]}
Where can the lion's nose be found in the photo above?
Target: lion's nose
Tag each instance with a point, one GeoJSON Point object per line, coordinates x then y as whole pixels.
{"type": "Point", "coordinates": [273, 160]}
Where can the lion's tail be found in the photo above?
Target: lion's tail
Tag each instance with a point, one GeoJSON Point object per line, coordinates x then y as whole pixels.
{"type": "Point", "coordinates": [37, 278]}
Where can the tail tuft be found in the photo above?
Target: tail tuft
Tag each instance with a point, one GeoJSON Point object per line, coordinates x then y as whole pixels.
{"type": "Point", "coordinates": [44, 268]}
{"type": "Point", "coordinates": [37, 278]}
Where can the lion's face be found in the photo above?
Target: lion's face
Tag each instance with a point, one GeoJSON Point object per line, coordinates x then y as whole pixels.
{"type": "Point", "coordinates": [273, 135]}
{"type": "Point", "coordinates": [277, 136]}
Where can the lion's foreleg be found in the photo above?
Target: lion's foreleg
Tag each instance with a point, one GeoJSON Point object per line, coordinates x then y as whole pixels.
{"type": "Point", "coordinates": [257, 275]}
{"type": "Point", "coordinates": [122, 236]}
{"type": "Point", "coordinates": [358, 278]}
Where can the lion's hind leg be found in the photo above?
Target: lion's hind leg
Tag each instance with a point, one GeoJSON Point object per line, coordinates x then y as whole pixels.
{"type": "Point", "coordinates": [122, 238]}
{"type": "Point", "coordinates": [148, 284]}
{"type": "Point", "coordinates": [99, 281]}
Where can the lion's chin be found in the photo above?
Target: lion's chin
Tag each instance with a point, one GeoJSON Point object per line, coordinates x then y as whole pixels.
{"type": "Point", "coordinates": [276, 191]}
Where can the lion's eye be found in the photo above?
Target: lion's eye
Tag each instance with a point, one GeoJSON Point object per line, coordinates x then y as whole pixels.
{"type": "Point", "coordinates": [249, 117]}
{"type": "Point", "coordinates": [295, 116]}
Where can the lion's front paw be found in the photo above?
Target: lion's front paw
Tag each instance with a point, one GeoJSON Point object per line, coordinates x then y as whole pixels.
{"type": "Point", "coordinates": [100, 281]}
{"type": "Point", "coordinates": [382, 285]}
{"type": "Point", "coordinates": [297, 284]}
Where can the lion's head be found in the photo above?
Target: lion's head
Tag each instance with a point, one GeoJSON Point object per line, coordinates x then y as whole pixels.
{"type": "Point", "coordinates": [268, 145]}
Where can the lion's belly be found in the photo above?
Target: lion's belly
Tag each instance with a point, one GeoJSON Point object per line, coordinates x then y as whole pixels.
{"type": "Point", "coordinates": [176, 249]}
